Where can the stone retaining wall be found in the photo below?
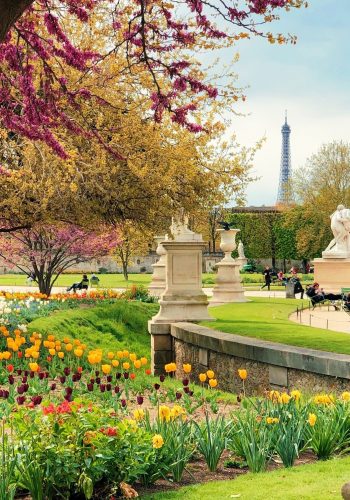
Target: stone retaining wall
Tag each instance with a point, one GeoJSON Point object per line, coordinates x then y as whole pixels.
{"type": "Point", "coordinates": [269, 365]}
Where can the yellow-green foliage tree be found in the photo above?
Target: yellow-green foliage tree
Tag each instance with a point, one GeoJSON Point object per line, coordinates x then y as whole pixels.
{"type": "Point", "coordinates": [319, 187]}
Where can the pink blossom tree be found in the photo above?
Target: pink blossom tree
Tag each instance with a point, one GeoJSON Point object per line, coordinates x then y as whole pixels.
{"type": "Point", "coordinates": [157, 37]}
{"type": "Point", "coordinates": [45, 252]}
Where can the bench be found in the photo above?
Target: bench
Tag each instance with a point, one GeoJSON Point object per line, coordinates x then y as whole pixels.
{"type": "Point", "coordinates": [94, 282]}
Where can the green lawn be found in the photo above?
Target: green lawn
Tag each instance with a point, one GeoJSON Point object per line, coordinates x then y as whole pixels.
{"type": "Point", "coordinates": [267, 319]}
{"type": "Point", "coordinates": [106, 280]}
{"type": "Point", "coordinates": [318, 481]}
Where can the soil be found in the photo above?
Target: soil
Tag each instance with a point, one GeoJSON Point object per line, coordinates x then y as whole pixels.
{"type": "Point", "coordinates": [197, 472]}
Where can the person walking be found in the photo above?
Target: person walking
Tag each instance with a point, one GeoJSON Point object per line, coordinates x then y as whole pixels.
{"type": "Point", "coordinates": [267, 278]}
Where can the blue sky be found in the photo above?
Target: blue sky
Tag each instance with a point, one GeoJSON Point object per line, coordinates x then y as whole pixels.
{"type": "Point", "coordinates": [311, 80]}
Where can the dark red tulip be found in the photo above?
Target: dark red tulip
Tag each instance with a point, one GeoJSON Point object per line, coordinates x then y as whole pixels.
{"type": "Point", "coordinates": [108, 387]}
{"type": "Point", "coordinates": [26, 373]}
{"type": "Point", "coordinates": [98, 380]}
{"type": "Point", "coordinates": [126, 375]}
{"type": "Point", "coordinates": [185, 382]}
{"type": "Point", "coordinates": [90, 387]}
{"type": "Point", "coordinates": [156, 386]}
{"type": "Point", "coordinates": [36, 400]}
{"type": "Point", "coordinates": [20, 399]}
{"type": "Point", "coordinates": [32, 374]}
{"type": "Point", "coordinates": [178, 395]}
{"type": "Point", "coordinates": [97, 373]}
{"type": "Point", "coordinates": [139, 400]}
{"type": "Point", "coordinates": [116, 389]}
{"type": "Point", "coordinates": [41, 375]}
{"type": "Point", "coordinates": [19, 372]}
{"type": "Point", "coordinates": [24, 379]}
{"type": "Point", "coordinates": [186, 390]}
{"type": "Point", "coordinates": [69, 390]}
{"type": "Point", "coordinates": [118, 375]}
{"type": "Point", "coordinates": [66, 371]}
{"type": "Point", "coordinates": [92, 380]}
{"type": "Point", "coordinates": [123, 402]}
{"type": "Point", "coordinates": [109, 378]}
{"type": "Point", "coordinates": [68, 397]}
{"type": "Point", "coordinates": [62, 379]}
{"type": "Point", "coordinates": [53, 387]}
{"type": "Point", "coordinates": [102, 387]}
{"type": "Point", "coordinates": [162, 378]}
{"type": "Point", "coordinates": [11, 379]}
{"type": "Point", "coordinates": [20, 389]}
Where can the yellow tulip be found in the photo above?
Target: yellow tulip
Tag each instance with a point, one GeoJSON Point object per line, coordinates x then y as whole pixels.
{"type": "Point", "coordinates": [137, 363]}
{"type": "Point", "coordinates": [106, 369]}
{"type": "Point", "coordinates": [52, 352]}
{"type": "Point", "coordinates": [34, 367]}
{"type": "Point", "coordinates": [133, 356]}
{"type": "Point", "coordinates": [202, 377]}
{"type": "Point", "coordinates": [157, 441]}
{"type": "Point", "coordinates": [213, 382]}
{"type": "Point", "coordinates": [110, 355]}
{"type": "Point", "coordinates": [126, 365]}
{"type": "Point", "coordinates": [210, 374]}
{"type": "Point", "coordinates": [187, 368]}
{"type": "Point", "coordinates": [78, 352]}
{"type": "Point", "coordinates": [242, 374]}
{"type": "Point", "coordinates": [312, 419]}
{"type": "Point", "coordinates": [60, 354]}
{"type": "Point", "coordinates": [144, 361]}
{"type": "Point", "coordinates": [115, 363]}
{"type": "Point", "coordinates": [69, 347]}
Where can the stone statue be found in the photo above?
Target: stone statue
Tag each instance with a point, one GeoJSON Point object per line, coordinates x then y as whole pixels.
{"type": "Point", "coordinates": [339, 247]}
{"type": "Point", "coordinates": [240, 250]}
{"type": "Point", "coordinates": [180, 230]}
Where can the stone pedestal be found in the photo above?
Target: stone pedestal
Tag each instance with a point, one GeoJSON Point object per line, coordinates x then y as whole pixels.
{"type": "Point", "coordinates": [242, 261]}
{"type": "Point", "coordinates": [228, 286]}
{"type": "Point", "coordinates": [332, 274]}
{"type": "Point", "coordinates": [182, 300]}
{"type": "Point", "coordinates": [157, 285]}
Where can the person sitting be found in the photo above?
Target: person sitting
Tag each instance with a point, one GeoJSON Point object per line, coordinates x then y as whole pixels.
{"type": "Point", "coordinates": [82, 285]}
{"type": "Point", "coordinates": [298, 288]}
{"type": "Point", "coordinates": [317, 295]}
{"type": "Point", "coordinates": [346, 305]}
{"type": "Point", "coordinates": [94, 280]}
{"type": "Point", "coordinates": [281, 278]}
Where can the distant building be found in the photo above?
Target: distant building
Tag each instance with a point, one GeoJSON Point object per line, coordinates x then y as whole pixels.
{"type": "Point", "coordinates": [284, 188]}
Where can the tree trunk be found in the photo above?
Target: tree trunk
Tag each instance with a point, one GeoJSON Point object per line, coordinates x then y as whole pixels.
{"type": "Point", "coordinates": [10, 11]}
{"type": "Point", "coordinates": [125, 271]}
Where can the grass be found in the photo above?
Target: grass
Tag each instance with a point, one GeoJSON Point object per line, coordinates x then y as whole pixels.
{"type": "Point", "coordinates": [267, 319]}
{"type": "Point", "coordinates": [121, 325]}
{"type": "Point", "coordinates": [106, 280]}
{"type": "Point", "coordinates": [318, 481]}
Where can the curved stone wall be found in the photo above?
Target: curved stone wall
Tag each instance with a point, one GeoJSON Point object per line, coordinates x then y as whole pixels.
{"type": "Point", "coordinates": [269, 365]}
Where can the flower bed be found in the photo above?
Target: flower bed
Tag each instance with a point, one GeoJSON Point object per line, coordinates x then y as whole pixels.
{"type": "Point", "coordinates": [77, 420]}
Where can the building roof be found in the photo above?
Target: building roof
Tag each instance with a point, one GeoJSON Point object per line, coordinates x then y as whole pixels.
{"type": "Point", "coordinates": [255, 209]}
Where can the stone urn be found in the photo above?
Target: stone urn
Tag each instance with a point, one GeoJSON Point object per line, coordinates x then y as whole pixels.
{"type": "Point", "coordinates": [228, 243]}
{"type": "Point", "coordinates": [157, 285]}
{"type": "Point", "coordinates": [228, 286]}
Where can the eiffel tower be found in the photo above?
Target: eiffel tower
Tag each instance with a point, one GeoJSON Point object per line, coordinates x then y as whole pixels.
{"type": "Point", "coordinates": [284, 194]}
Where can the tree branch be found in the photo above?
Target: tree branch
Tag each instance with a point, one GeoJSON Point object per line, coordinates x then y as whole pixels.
{"type": "Point", "coordinates": [10, 11]}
